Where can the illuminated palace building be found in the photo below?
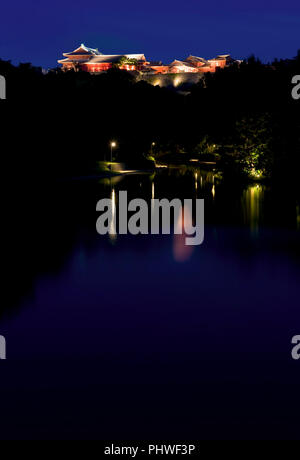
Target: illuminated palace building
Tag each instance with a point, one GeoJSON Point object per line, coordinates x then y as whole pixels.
{"type": "Point", "coordinates": [93, 61]}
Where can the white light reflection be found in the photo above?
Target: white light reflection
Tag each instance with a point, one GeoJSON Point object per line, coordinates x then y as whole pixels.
{"type": "Point", "coordinates": [112, 229]}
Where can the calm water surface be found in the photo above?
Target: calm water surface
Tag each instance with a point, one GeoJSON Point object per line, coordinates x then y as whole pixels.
{"type": "Point", "coordinates": [142, 336]}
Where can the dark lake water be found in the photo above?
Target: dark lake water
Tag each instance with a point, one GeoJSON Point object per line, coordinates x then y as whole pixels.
{"type": "Point", "coordinates": [142, 336]}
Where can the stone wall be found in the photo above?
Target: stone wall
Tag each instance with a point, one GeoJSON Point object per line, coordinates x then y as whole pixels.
{"type": "Point", "coordinates": [172, 79]}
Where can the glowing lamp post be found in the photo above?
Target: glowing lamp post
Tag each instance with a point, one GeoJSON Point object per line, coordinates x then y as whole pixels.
{"type": "Point", "coordinates": [113, 145]}
{"type": "Point", "coordinates": [152, 145]}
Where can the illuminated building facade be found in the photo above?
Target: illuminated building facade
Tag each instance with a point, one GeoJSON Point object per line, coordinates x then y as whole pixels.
{"type": "Point", "coordinates": [93, 61]}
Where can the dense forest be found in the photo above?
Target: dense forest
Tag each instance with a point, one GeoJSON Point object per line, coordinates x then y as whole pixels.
{"type": "Point", "coordinates": [243, 115]}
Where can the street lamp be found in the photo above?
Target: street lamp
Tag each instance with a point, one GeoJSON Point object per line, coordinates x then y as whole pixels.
{"type": "Point", "coordinates": [152, 145]}
{"type": "Point", "coordinates": [112, 146]}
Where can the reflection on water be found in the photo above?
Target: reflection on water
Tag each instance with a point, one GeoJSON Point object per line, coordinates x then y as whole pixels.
{"type": "Point", "coordinates": [113, 224]}
{"type": "Point", "coordinates": [182, 252]}
{"type": "Point", "coordinates": [252, 202]}
{"type": "Point", "coordinates": [58, 218]}
{"type": "Point", "coordinates": [213, 191]}
{"type": "Point", "coordinates": [152, 195]}
{"type": "Point", "coordinates": [247, 206]}
{"type": "Point", "coordinates": [129, 312]}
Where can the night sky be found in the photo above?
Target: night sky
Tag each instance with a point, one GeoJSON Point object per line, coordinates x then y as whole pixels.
{"type": "Point", "coordinates": [40, 31]}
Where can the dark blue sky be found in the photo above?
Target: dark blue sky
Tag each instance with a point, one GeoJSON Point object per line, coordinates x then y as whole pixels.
{"type": "Point", "coordinates": [39, 31]}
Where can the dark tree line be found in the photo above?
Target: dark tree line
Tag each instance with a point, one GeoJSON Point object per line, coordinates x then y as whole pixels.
{"type": "Point", "coordinates": [245, 114]}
